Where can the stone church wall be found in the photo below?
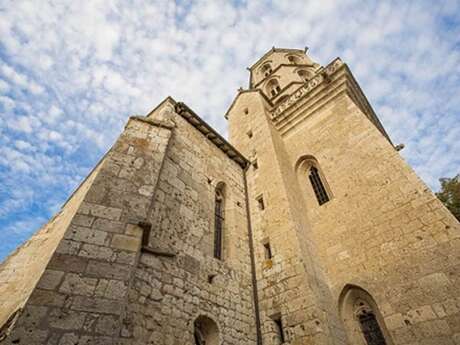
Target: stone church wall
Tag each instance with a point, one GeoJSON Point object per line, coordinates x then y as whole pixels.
{"type": "Point", "coordinates": [383, 229]}
{"type": "Point", "coordinates": [135, 264]}
{"type": "Point", "coordinates": [170, 292]}
{"type": "Point", "coordinates": [20, 272]}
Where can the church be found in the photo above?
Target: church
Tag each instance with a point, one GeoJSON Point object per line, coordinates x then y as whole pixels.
{"type": "Point", "coordinates": [306, 227]}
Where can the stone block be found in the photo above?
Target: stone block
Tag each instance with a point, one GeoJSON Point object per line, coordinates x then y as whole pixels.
{"type": "Point", "coordinates": [111, 289]}
{"type": "Point", "coordinates": [86, 235]}
{"type": "Point", "coordinates": [108, 225]}
{"type": "Point", "coordinates": [107, 325]}
{"type": "Point", "coordinates": [96, 305]}
{"type": "Point", "coordinates": [68, 263]}
{"type": "Point", "coordinates": [96, 252]}
{"type": "Point", "coordinates": [75, 284]}
{"type": "Point", "coordinates": [46, 298]}
{"type": "Point", "coordinates": [66, 319]}
{"type": "Point", "coordinates": [68, 247]}
{"type": "Point", "coordinates": [82, 220]}
{"type": "Point", "coordinates": [69, 339]}
{"type": "Point", "coordinates": [100, 211]}
{"type": "Point", "coordinates": [124, 242]}
{"type": "Point", "coordinates": [108, 270]}
{"type": "Point", "coordinates": [50, 279]}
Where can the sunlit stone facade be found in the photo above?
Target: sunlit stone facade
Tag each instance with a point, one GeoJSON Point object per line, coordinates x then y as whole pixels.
{"type": "Point", "coordinates": [309, 228]}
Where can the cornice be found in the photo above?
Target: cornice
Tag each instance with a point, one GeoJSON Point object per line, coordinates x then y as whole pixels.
{"type": "Point", "coordinates": [191, 117]}
{"type": "Point", "coordinates": [329, 82]}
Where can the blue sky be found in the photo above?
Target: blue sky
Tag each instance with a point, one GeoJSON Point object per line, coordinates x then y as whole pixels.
{"type": "Point", "coordinates": [71, 74]}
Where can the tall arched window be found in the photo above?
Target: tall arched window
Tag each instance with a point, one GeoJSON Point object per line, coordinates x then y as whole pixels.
{"type": "Point", "coordinates": [273, 87]}
{"type": "Point", "coordinates": [205, 331]}
{"type": "Point", "coordinates": [218, 221]}
{"type": "Point", "coordinates": [308, 166]}
{"type": "Point", "coordinates": [369, 324]}
{"type": "Point", "coordinates": [362, 319]}
{"type": "Point", "coordinates": [317, 185]}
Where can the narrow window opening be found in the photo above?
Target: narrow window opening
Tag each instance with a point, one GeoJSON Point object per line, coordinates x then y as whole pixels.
{"type": "Point", "coordinates": [266, 70]}
{"type": "Point", "coordinates": [318, 186]}
{"type": "Point", "coordinates": [260, 203]}
{"type": "Point", "coordinates": [370, 328]}
{"type": "Point", "coordinates": [249, 134]}
{"type": "Point", "coordinates": [279, 329]}
{"type": "Point", "coordinates": [211, 278]}
{"type": "Point", "coordinates": [246, 111]}
{"type": "Point", "coordinates": [218, 224]}
{"type": "Point", "coordinates": [273, 87]}
{"type": "Point", "coordinates": [255, 165]}
{"type": "Point", "coordinates": [267, 251]}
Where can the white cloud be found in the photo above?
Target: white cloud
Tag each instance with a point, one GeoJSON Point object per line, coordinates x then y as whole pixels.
{"type": "Point", "coordinates": [23, 145]}
{"type": "Point", "coordinates": [22, 124]}
{"type": "Point", "coordinates": [72, 72]}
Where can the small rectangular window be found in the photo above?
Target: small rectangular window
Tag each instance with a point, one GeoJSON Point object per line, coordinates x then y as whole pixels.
{"type": "Point", "coordinates": [255, 165]}
{"type": "Point", "coordinates": [260, 203]}
{"type": "Point", "coordinates": [249, 134]}
{"type": "Point", "coordinates": [267, 251]}
{"type": "Point", "coordinates": [279, 329]}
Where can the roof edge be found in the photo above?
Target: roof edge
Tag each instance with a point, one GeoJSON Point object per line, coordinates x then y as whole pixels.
{"type": "Point", "coordinates": [273, 50]}
{"type": "Point", "coordinates": [211, 134]}
{"type": "Point", "coordinates": [245, 91]}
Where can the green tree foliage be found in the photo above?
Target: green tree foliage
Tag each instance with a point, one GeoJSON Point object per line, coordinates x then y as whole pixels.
{"type": "Point", "coordinates": [450, 194]}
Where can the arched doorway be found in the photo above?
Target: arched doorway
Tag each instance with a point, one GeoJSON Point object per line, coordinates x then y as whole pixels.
{"type": "Point", "coordinates": [362, 319]}
{"type": "Point", "coordinates": [205, 331]}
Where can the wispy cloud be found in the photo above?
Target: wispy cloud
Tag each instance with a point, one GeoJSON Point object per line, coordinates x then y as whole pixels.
{"type": "Point", "coordinates": [72, 72]}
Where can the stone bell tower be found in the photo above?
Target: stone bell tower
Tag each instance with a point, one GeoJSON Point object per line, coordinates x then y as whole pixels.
{"type": "Point", "coordinates": [351, 247]}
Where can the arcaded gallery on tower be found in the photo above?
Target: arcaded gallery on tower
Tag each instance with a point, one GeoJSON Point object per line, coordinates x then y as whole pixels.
{"type": "Point", "coordinates": [305, 227]}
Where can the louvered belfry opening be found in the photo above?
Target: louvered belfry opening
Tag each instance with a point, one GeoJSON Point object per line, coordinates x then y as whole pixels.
{"type": "Point", "coordinates": [318, 186]}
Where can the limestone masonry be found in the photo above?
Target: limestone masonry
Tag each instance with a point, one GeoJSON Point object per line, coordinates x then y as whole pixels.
{"type": "Point", "coordinates": [310, 229]}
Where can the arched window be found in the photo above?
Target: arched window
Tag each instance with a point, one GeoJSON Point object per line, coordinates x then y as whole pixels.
{"type": "Point", "coordinates": [362, 319]}
{"type": "Point", "coordinates": [308, 166]}
{"type": "Point", "coordinates": [293, 59]}
{"type": "Point", "coordinates": [266, 69]}
{"type": "Point", "coordinates": [317, 185]}
{"type": "Point", "coordinates": [218, 220]}
{"type": "Point", "coordinates": [205, 331]}
{"type": "Point", "coordinates": [273, 87]}
{"type": "Point", "coordinates": [369, 324]}
{"type": "Point", "coordinates": [304, 75]}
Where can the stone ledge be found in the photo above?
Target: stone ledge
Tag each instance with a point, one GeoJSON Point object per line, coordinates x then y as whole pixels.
{"type": "Point", "coordinates": [153, 122]}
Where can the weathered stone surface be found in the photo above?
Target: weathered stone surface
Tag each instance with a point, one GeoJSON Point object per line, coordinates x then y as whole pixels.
{"type": "Point", "coordinates": [66, 319]}
{"type": "Point", "coordinates": [50, 279]}
{"type": "Point", "coordinates": [126, 242]}
{"type": "Point", "coordinates": [93, 304]}
{"type": "Point", "coordinates": [76, 284]}
{"type": "Point", "coordinates": [108, 270]}
{"type": "Point", "coordinates": [381, 244]}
